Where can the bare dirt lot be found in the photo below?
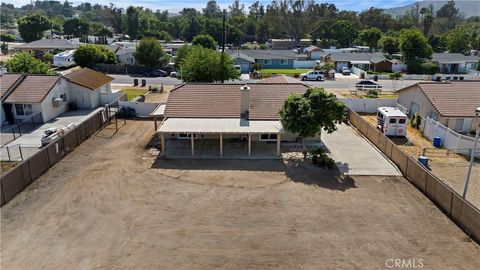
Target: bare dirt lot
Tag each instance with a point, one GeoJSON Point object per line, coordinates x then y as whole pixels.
{"type": "Point", "coordinates": [448, 166]}
{"type": "Point", "coordinates": [111, 205]}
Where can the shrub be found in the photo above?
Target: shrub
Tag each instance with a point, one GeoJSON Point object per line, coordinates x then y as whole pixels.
{"type": "Point", "coordinates": [371, 93]}
{"type": "Point", "coordinates": [417, 67]}
{"type": "Point", "coordinates": [7, 37]}
{"type": "Point", "coordinates": [320, 157]}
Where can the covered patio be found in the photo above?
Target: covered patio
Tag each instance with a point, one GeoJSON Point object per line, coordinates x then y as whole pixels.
{"type": "Point", "coordinates": [220, 138]}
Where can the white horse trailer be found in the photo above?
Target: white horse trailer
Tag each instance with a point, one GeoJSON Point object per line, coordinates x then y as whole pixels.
{"type": "Point", "coordinates": [392, 122]}
{"type": "Point", "coordinates": [64, 59]}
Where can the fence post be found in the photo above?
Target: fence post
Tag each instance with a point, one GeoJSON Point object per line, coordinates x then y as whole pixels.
{"type": "Point", "coordinates": [8, 153]}
{"type": "Point", "coordinates": [21, 155]}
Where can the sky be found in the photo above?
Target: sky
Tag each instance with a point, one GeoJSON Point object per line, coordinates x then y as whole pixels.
{"type": "Point", "coordinates": [177, 5]}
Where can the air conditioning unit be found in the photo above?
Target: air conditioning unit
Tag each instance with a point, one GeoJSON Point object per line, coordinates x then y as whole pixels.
{"type": "Point", "coordinates": [57, 102]}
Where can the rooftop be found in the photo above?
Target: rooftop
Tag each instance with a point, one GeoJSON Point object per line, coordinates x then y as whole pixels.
{"type": "Point", "coordinates": [33, 89]}
{"type": "Point", "coordinates": [454, 57]}
{"type": "Point", "coordinates": [225, 125]}
{"type": "Point", "coordinates": [452, 99]}
{"type": "Point", "coordinates": [343, 57]}
{"type": "Point", "coordinates": [224, 100]}
{"type": "Point", "coordinates": [268, 54]}
{"type": "Point", "coordinates": [89, 78]}
{"type": "Point", "coordinates": [7, 81]}
{"type": "Point", "coordinates": [48, 44]}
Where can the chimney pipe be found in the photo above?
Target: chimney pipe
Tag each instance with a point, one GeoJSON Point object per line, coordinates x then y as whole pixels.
{"type": "Point", "coordinates": [245, 101]}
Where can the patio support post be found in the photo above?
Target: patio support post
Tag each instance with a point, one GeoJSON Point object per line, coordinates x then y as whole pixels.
{"type": "Point", "coordinates": [279, 139]}
{"type": "Point", "coordinates": [193, 144]}
{"type": "Point", "coordinates": [162, 142]}
{"type": "Point", "coordinates": [249, 144]}
{"type": "Point", "coordinates": [221, 145]}
{"type": "Point", "coordinates": [155, 122]}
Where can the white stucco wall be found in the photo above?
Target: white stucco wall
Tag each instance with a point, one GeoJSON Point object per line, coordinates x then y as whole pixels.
{"type": "Point", "coordinates": [84, 97]}
{"type": "Point", "coordinates": [413, 94]}
{"type": "Point", "coordinates": [48, 110]}
{"type": "Point", "coordinates": [36, 108]}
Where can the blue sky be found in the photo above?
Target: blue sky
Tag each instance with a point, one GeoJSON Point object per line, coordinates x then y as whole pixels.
{"type": "Point", "coordinates": [176, 5]}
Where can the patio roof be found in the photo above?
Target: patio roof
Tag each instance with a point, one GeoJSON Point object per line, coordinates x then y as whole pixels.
{"type": "Point", "coordinates": [360, 62]}
{"type": "Point", "coordinates": [219, 126]}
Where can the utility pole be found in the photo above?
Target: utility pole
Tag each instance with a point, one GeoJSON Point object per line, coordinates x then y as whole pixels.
{"type": "Point", "coordinates": [223, 45]}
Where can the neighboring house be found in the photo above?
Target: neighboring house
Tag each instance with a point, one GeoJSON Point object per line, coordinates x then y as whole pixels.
{"type": "Point", "coordinates": [315, 53]}
{"type": "Point", "coordinates": [172, 48]}
{"type": "Point", "coordinates": [42, 46]}
{"type": "Point", "coordinates": [50, 94]}
{"type": "Point", "coordinates": [452, 104]}
{"type": "Point", "coordinates": [244, 61]}
{"type": "Point", "coordinates": [126, 55]}
{"type": "Point", "coordinates": [270, 58]}
{"type": "Point", "coordinates": [363, 61]}
{"type": "Point", "coordinates": [455, 62]}
{"type": "Point", "coordinates": [228, 113]}
{"type": "Point", "coordinates": [8, 82]}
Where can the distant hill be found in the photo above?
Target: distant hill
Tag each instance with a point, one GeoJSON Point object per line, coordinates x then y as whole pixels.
{"type": "Point", "coordinates": [468, 8]}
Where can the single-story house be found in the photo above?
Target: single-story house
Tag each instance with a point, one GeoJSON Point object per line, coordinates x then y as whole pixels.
{"type": "Point", "coordinates": [49, 95]}
{"type": "Point", "coordinates": [244, 61]}
{"type": "Point", "coordinates": [452, 104]}
{"type": "Point", "coordinates": [228, 116]}
{"type": "Point", "coordinates": [315, 53]}
{"type": "Point", "coordinates": [126, 55]}
{"type": "Point", "coordinates": [363, 61]}
{"type": "Point", "coordinates": [455, 62]}
{"type": "Point", "coordinates": [270, 58]}
{"type": "Point", "coordinates": [42, 46]}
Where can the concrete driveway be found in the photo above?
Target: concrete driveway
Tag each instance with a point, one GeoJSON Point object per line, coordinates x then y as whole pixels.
{"type": "Point", "coordinates": [354, 155]}
{"type": "Point", "coordinates": [31, 141]}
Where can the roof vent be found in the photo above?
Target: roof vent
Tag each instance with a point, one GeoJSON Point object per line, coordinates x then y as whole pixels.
{"type": "Point", "coordinates": [245, 88]}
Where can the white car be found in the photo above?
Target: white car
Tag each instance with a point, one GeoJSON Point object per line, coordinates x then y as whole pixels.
{"type": "Point", "coordinates": [345, 71]}
{"type": "Point", "coordinates": [312, 75]}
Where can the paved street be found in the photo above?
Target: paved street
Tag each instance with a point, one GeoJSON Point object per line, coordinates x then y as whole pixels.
{"type": "Point", "coordinates": [340, 83]}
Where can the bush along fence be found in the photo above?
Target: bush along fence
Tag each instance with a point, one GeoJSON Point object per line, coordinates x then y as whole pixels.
{"type": "Point", "coordinates": [459, 210]}
{"type": "Point", "coordinates": [28, 170]}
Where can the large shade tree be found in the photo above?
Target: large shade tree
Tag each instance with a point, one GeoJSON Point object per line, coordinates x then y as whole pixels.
{"type": "Point", "coordinates": [150, 53]}
{"type": "Point", "coordinates": [206, 65]}
{"type": "Point", "coordinates": [26, 63]}
{"type": "Point", "coordinates": [31, 27]}
{"type": "Point", "coordinates": [205, 41]}
{"type": "Point", "coordinates": [89, 54]}
{"type": "Point", "coordinates": [414, 45]}
{"type": "Point", "coordinates": [307, 114]}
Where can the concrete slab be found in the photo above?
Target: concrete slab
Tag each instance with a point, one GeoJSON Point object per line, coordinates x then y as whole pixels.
{"type": "Point", "coordinates": [32, 139]}
{"type": "Point", "coordinates": [354, 155]}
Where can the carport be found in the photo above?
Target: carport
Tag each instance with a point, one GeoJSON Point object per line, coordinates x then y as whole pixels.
{"type": "Point", "coordinates": [201, 131]}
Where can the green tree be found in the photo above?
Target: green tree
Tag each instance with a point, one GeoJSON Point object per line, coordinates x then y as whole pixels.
{"type": "Point", "coordinates": [132, 22]}
{"type": "Point", "coordinates": [369, 37]}
{"type": "Point", "coordinates": [182, 53]}
{"type": "Point", "coordinates": [448, 10]}
{"type": "Point", "coordinates": [414, 45]}
{"type": "Point", "coordinates": [307, 114]}
{"type": "Point", "coordinates": [458, 41]}
{"type": "Point", "coordinates": [344, 32]}
{"type": "Point", "coordinates": [206, 65]}
{"type": "Point", "coordinates": [89, 54]}
{"type": "Point", "coordinates": [31, 27]}
{"type": "Point", "coordinates": [150, 53]}
{"type": "Point", "coordinates": [205, 41]}
{"type": "Point", "coordinates": [76, 27]}
{"type": "Point", "coordinates": [388, 45]}
{"type": "Point", "coordinates": [7, 38]}
{"type": "Point", "coordinates": [375, 17]}
{"type": "Point", "coordinates": [26, 63]}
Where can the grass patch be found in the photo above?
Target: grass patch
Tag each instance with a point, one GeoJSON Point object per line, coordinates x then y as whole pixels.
{"type": "Point", "coordinates": [291, 71]}
{"type": "Point", "coordinates": [134, 92]}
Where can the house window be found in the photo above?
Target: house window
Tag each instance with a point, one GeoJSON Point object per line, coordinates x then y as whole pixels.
{"type": "Point", "coordinates": [433, 115]}
{"type": "Point", "coordinates": [283, 61]}
{"type": "Point", "coordinates": [268, 137]}
{"type": "Point", "coordinates": [459, 124]}
{"type": "Point", "coordinates": [64, 97]}
{"type": "Point", "coordinates": [267, 61]}
{"type": "Point", "coordinates": [414, 107]}
{"type": "Point", "coordinates": [23, 109]}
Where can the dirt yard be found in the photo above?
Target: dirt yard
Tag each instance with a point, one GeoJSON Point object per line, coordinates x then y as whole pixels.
{"type": "Point", "coordinates": [446, 165]}
{"type": "Point", "coordinates": [111, 205]}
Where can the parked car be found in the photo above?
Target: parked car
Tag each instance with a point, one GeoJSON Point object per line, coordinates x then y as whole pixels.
{"type": "Point", "coordinates": [156, 73]}
{"type": "Point", "coordinates": [311, 75]}
{"type": "Point", "coordinates": [366, 84]}
{"type": "Point", "coordinates": [345, 71]}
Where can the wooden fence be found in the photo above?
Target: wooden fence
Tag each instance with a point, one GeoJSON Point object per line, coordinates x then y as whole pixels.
{"type": "Point", "coordinates": [466, 215]}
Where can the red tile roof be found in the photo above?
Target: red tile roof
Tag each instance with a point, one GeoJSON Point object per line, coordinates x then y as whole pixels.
{"type": "Point", "coordinates": [453, 99]}
{"type": "Point", "coordinates": [224, 100]}
{"type": "Point", "coordinates": [33, 89]}
{"type": "Point", "coordinates": [7, 81]}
